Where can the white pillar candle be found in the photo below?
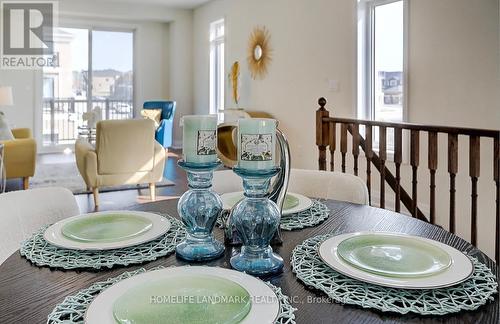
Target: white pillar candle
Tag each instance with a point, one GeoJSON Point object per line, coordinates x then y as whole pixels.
{"type": "Point", "coordinates": [199, 138]}
{"type": "Point", "coordinates": [256, 143]}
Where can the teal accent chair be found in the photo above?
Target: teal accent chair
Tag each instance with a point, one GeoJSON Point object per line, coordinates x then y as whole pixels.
{"type": "Point", "coordinates": [164, 132]}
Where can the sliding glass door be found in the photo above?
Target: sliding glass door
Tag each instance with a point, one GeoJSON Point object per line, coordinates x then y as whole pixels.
{"type": "Point", "coordinates": [112, 73]}
{"type": "Point", "coordinates": [95, 74]}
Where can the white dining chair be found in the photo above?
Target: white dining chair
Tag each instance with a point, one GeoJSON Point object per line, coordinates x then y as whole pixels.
{"type": "Point", "coordinates": [311, 183]}
{"type": "Point", "coordinates": [24, 212]}
{"type": "Point", "coordinates": [329, 185]}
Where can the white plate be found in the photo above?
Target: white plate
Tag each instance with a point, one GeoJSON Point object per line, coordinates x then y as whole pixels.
{"type": "Point", "coordinates": [460, 269]}
{"type": "Point", "coordinates": [265, 304]}
{"type": "Point", "coordinates": [304, 202]}
{"type": "Point", "coordinates": [54, 235]}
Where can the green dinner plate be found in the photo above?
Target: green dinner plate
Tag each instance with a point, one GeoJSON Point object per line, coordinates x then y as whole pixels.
{"type": "Point", "coordinates": [393, 255]}
{"type": "Point", "coordinates": [106, 228]}
{"type": "Point", "coordinates": [290, 201]}
{"type": "Point", "coordinates": [188, 299]}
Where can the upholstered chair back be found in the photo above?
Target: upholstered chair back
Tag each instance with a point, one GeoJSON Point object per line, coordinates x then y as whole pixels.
{"type": "Point", "coordinates": [24, 212]}
{"type": "Point", "coordinates": [125, 146]}
{"type": "Point", "coordinates": [311, 183]}
{"type": "Point", "coordinates": [329, 185]}
{"type": "Point", "coordinates": [167, 108]}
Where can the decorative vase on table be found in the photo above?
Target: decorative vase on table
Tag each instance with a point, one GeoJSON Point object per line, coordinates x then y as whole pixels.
{"type": "Point", "coordinates": [256, 218]}
{"type": "Point", "coordinates": [200, 206]}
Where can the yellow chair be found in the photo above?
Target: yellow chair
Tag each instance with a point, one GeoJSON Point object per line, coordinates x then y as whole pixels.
{"type": "Point", "coordinates": [20, 155]}
{"type": "Point", "coordinates": [126, 153]}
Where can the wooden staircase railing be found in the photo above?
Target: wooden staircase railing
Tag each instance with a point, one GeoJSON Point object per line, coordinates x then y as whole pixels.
{"type": "Point", "coordinates": [326, 133]}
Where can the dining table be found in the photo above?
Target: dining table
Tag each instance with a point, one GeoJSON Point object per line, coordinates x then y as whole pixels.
{"type": "Point", "coordinates": [29, 293]}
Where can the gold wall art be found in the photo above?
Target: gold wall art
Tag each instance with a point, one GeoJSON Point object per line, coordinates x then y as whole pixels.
{"type": "Point", "coordinates": [259, 52]}
{"type": "Point", "coordinates": [234, 79]}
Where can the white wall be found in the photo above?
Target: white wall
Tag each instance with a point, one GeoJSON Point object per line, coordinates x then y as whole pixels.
{"type": "Point", "coordinates": [151, 64]}
{"type": "Point", "coordinates": [454, 79]}
{"type": "Point", "coordinates": [312, 41]}
{"type": "Point", "coordinates": [163, 40]}
{"type": "Point", "coordinates": [181, 71]}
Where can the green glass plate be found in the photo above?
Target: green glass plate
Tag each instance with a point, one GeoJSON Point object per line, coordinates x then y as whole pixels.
{"type": "Point", "coordinates": [393, 255]}
{"type": "Point", "coordinates": [188, 299]}
{"type": "Point", "coordinates": [290, 201]}
{"type": "Point", "coordinates": [106, 228]}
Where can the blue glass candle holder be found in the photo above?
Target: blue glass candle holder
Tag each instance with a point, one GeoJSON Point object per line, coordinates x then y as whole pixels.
{"type": "Point", "coordinates": [199, 208]}
{"type": "Point", "coordinates": [256, 219]}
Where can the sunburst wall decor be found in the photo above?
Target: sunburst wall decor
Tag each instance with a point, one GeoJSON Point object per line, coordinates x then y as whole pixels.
{"type": "Point", "coordinates": [259, 52]}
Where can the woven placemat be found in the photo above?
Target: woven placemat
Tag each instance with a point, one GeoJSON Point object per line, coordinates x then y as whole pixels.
{"type": "Point", "coordinates": [307, 218]}
{"type": "Point", "coordinates": [469, 295]}
{"type": "Point", "coordinates": [73, 308]}
{"type": "Point", "coordinates": [40, 252]}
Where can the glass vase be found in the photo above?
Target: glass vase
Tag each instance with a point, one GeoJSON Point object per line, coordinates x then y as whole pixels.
{"type": "Point", "coordinates": [256, 219]}
{"type": "Point", "coordinates": [199, 208]}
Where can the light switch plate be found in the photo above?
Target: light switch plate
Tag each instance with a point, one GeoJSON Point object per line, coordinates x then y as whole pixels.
{"type": "Point", "coordinates": [333, 85]}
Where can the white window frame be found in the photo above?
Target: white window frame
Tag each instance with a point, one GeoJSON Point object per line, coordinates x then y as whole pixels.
{"type": "Point", "coordinates": [366, 55]}
{"type": "Point", "coordinates": [365, 68]}
{"type": "Point", "coordinates": [217, 67]}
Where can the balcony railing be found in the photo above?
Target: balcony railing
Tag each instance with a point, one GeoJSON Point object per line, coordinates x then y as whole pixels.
{"type": "Point", "coordinates": [63, 117]}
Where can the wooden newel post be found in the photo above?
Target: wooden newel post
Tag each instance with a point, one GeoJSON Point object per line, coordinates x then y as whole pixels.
{"type": "Point", "coordinates": [322, 132]}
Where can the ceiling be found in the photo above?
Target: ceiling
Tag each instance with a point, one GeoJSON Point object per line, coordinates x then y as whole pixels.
{"type": "Point", "coordinates": [180, 4]}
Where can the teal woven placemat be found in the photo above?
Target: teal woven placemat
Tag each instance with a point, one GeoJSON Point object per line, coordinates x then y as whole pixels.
{"type": "Point", "coordinates": [73, 308]}
{"type": "Point", "coordinates": [40, 252]}
{"type": "Point", "coordinates": [469, 295]}
{"type": "Point", "coordinates": [307, 218]}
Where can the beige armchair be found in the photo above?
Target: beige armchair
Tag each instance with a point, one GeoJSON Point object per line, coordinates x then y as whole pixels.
{"type": "Point", "coordinates": [125, 153]}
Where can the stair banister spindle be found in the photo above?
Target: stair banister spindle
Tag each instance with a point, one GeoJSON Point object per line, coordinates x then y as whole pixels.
{"type": "Point", "coordinates": [343, 144]}
{"type": "Point", "coordinates": [332, 138]}
{"type": "Point", "coordinates": [355, 146]}
{"type": "Point", "coordinates": [382, 151]}
{"type": "Point", "coordinates": [474, 170]}
{"type": "Point", "coordinates": [414, 161]}
{"type": "Point", "coordinates": [398, 158]}
{"type": "Point", "coordinates": [369, 155]}
{"type": "Point", "coordinates": [433, 165]}
{"type": "Point", "coordinates": [452, 170]}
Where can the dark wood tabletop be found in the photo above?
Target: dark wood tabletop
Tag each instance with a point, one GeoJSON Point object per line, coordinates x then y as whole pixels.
{"type": "Point", "coordinates": [29, 293]}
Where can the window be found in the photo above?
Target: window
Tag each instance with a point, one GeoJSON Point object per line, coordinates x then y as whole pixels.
{"type": "Point", "coordinates": [48, 86]}
{"type": "Point", "coordinates": [95, 73]}
{"type": "Point", "coordinates": [381, 62]}
{"type": "Point", "coordinates": [216, 66]}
